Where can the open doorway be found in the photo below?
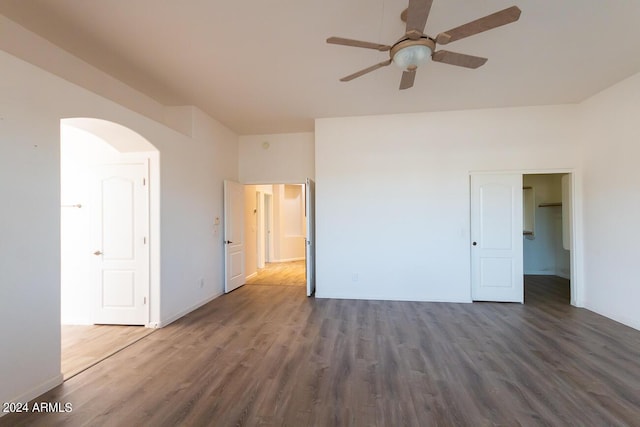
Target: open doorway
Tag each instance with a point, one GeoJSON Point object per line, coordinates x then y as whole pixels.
{"type": "Point", "coordinates": [108, 239]}
{"type": "Point", "coordinates": [547, 238]}
{"type": "Point", "coordinates": [275, 230]}
{"type": "Point", "coordinates": [498, 221]}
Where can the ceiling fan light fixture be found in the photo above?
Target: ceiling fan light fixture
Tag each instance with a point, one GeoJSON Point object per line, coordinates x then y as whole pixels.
{"type": "Point", "coordinates": [415, 47]}
{"type": "Point", "coordinates": [410, 54]}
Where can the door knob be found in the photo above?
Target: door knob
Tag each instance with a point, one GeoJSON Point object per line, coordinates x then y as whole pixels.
{"type": "Point", "coordinates": [97, 253]}
{"type": "Point", "coordinates": [228, 242]}
{"type": "Point", "coordinates": [474, 243]}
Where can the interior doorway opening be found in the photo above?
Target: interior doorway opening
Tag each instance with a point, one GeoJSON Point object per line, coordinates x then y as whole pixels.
{"type": "Point", "coordinates": [503, 216]}
{"type": "Point", "coordinates": [547, 221]}
{"type": "Point", "coordinates": [109, 239]}
{"type": "Point", "coordinates": [275, 230]}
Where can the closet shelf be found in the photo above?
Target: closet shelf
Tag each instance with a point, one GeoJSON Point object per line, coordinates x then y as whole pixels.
{"type": "Point", "coordinates": [548, 205]}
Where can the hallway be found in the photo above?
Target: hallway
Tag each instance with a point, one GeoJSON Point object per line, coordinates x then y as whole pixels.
{"type": "Point", "coordinates": [280, 274]}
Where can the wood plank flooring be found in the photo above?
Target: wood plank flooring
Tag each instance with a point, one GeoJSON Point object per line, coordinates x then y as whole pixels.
{"type": "Point", "coordinates": [85, 345]}
{"type": "Point", "coordinates": [265, 355]}
{"type": "Point", "coordinates": [280, 274]}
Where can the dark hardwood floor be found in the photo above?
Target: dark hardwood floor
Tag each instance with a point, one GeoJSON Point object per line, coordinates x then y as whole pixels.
{"type": "Point", "coordinates": [270, 356]}
{"type": "Point", "coordinates": [85, 345]}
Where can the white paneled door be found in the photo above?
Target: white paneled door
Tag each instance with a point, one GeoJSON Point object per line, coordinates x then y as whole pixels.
{"type": "Point", "coordinates": [310, 248]}
{"type": "Point", "coordinates": [496, 238]}
{"type": "Point", "coordinates": [233, 235]}
{"type": "Point", "coordinates": [122, 248]}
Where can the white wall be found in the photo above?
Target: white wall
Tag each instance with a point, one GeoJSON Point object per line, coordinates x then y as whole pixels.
{"type": "Point", "coordinates": [32, 104]}
{"type": "Point", "coordinates": [392, 194]}
{"type": "Point", "coordinates": [80, 152]}
{"type": "Point", "coordinates": [193, 171]}
{"type": "Point", "coordinates": [250, 230]}
{"type": "Point", "coordinates": [30, 47]}
{"type": "Point", "coordinates": [291, 229]}
{"type": "Point", "coordinates": [543, 252]}
{"type": "Point", "coordinates": [29, 238]}
{"type": "Point", "coordinates": [610, 140]}
{"type": "Point", "coordinates": [289, 158]}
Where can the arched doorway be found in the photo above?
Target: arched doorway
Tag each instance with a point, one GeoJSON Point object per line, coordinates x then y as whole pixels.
{"type": "Point", "coordinates": [109, 234]}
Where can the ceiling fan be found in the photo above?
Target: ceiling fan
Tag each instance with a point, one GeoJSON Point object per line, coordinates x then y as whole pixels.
{"type": "Point", "coordinates": [415, 48]}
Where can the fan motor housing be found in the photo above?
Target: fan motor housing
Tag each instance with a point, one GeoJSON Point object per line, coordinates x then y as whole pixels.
{"type": "Point", "coordinates": [403, 43]}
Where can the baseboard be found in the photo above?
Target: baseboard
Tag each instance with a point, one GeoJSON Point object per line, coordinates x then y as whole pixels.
{"type": "Point", "coordinates": [388, 298]}
{"type": "Point", "coordinates": [632, 323]}
{"type": "Point", "coordinates": [186, 311]}
{"type": "Point", "coordinates": [251, 276]}
{"type": "Point", "coordinates": [38, 390]}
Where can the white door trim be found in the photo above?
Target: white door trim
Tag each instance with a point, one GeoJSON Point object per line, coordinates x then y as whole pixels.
{"type": "Point", "coordinates": [577, 242]}
{"type": "Point", "coordinates": [310, 238]}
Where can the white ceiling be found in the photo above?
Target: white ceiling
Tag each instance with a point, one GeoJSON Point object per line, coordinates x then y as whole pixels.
{"type": "Point", "coordinates": [264, 67]}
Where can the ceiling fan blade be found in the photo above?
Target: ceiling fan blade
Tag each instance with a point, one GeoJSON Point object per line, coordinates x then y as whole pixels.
{"type": "Point", "coordinates": [365, 71]}
{"type": "Point", "coordinates": [358, 43]}
{"type": "Point", "coordinates": [407, 80]}
{"type": "Point", "coordinates": [417, 14]}
{"type": "Point", "coordinates": [489, 22]}
{"type": "Point", "coordinates": [459, 59]}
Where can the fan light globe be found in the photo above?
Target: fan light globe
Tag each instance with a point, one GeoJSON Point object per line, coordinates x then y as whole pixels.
{"type": "Point", "coordinates": [412, 56]}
